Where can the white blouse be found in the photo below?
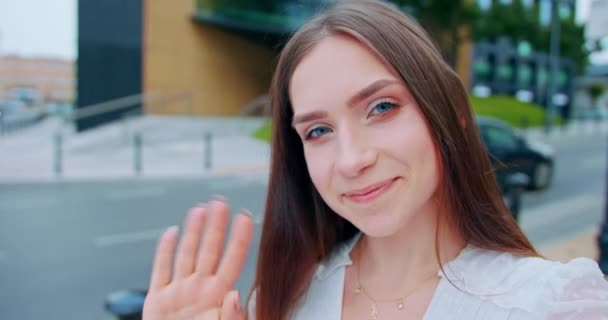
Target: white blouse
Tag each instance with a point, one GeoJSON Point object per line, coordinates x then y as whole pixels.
{"type": "Point", "coordinates": [493, 285]}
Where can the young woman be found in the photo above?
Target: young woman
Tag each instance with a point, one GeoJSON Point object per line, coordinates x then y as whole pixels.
{"type": "Point", "coordinates": [382, 203]}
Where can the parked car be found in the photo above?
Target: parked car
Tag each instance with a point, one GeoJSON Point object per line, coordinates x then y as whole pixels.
{"type": "Point", "coordinates": [510, 152]}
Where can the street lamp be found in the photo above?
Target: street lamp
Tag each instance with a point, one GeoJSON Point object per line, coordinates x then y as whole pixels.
{"type": "Point", "coordinates": [553, 61]}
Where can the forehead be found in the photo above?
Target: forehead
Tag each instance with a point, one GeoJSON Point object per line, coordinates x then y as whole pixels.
{"type": "Point", "coordinates": [335, 69]}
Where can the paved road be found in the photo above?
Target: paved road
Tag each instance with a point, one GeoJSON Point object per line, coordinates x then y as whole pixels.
{"type": "Point", "coordinates": [63, 247]}
{"type": "Point", "coordinates": [576, 200]}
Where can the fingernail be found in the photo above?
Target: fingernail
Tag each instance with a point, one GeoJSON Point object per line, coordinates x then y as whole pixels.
{"type": "Point", "coordinates": [172, 229]}
{"type": "Point", "coordinates": [237, 302]}
{"type": "Point", "coordinates": [257, 219]}
{"type": "Point", "coordinates": [218, 197]}
{"type": "Point", "coordinates": [247, 213]}
{"type": "Point", "coordinates": [202, 205]}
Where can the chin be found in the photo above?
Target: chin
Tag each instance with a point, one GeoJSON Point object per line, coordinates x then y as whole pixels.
{"type": "Point", "coordinates": [380, 225]}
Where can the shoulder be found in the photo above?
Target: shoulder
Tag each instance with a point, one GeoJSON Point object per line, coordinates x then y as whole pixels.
{"type": "Point", "coordinates": [532, 284]}
{"type": "Point", "coordinates": [325, 290]}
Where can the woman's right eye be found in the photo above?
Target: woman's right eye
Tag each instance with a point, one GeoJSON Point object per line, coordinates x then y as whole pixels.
{"type": "Point", "coordinates": [316, 133]}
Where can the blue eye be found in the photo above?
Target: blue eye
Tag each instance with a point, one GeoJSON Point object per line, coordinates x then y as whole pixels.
{"type": "Point", "coordinates": [383, 107]}
{"type": "Point", "coordinates": [316, 132]}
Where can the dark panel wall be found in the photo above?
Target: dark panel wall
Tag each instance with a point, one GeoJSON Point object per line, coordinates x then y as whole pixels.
{"type": "Point", "coordinates": [109, 55]}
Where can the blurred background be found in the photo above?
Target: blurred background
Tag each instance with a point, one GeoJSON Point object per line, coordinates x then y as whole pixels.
{"type": "Point", "coordinates": [117, 116]}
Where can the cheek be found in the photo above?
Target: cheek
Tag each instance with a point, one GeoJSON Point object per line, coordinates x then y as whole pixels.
{"type": "Point", "coordinates": [318, 163]}
{"type": "Point", "coordinates": [428, 161]}
{"type": "Point", "coordinates": [417, 150]}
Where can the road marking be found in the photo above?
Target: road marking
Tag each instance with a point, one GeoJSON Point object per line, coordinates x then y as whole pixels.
{"type": "Point", "coordinates": [135, 193]}
{"type": "Point", "coordinates": [548, 214]}
{"type": "Point", "coordinates": [129, 237]}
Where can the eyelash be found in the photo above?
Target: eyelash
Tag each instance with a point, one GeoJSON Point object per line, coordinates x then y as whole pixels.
{"type": "Point", "coordinates": [393, 105]}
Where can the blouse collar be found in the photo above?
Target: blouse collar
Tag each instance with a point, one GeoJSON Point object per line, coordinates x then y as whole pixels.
{"type": "Point", "coordinates": [340, 257]}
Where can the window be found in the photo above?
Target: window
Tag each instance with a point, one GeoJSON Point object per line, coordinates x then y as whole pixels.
{"type": "Point", "coordinates": [545, 13]}
{"type": "Point", "coordinates": [565, 11]}
{"type": "Point", "coordinates": [484, 4]}
{"type": "Point", "coordinates": [497, 137]}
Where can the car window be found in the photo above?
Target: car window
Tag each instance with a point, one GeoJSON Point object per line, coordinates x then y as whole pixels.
{"type": "Point", "coordinates": [502, 138]}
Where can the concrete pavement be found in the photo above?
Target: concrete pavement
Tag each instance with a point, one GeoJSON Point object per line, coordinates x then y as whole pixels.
{"type": "Point", "coordinates": [171, 147]}
{"type": "Point", "coordinates": [581, 245]}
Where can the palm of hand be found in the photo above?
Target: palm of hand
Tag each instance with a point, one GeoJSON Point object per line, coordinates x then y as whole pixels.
{"type": "Point", "coordinates": [199, 286]}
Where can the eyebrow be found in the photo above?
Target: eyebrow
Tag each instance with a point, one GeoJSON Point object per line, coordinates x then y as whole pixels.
{"type": "Point", "coordinates": [358, 97]}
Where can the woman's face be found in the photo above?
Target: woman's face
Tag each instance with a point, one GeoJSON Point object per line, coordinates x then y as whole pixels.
{"type": "Point", "coordinates": [368, 149]}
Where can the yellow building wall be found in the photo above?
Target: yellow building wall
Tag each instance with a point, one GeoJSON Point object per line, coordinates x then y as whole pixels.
{"type": "Point", "coordinates": [192, 67]}
{"type": "Point", "coordinates": [465, 52]}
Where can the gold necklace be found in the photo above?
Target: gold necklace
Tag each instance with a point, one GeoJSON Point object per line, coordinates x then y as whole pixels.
{"type": "Point", "coordinates": [374, 307]}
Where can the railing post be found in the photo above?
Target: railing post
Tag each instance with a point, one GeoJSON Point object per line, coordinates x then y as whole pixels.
{"type": "Point", "coordinates": [1, 123]}
{"type": "Point", "coordinates": [137, 153]}
{"type": "Point", "coordinates": [207, 150]}
{"type": "Point", "coordinates": [57, 153]}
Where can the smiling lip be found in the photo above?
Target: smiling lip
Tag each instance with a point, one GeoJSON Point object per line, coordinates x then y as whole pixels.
{"type": "Point", "coordinates": [370, 193]}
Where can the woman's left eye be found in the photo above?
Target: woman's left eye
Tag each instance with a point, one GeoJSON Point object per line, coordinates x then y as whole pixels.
{"type": "Point", "coordinates": [383, 107]}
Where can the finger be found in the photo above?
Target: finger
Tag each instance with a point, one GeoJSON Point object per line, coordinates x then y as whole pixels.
{"type": "Point", "coordinates": [231, 307]}
{"type": "Point", "coordinates": [189, 245]}
{"type": "Point", "coordinates": [237, 250]}
{"type": "Point", "coordinates": [163, 259]}
{"type": "Point", "coordinates": [213, 239]}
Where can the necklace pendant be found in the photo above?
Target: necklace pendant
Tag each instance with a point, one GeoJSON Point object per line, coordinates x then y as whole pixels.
{"type": "Point", "coordinates": [374, 314]}
{"type": "Point", "coordinates": [400, 305]}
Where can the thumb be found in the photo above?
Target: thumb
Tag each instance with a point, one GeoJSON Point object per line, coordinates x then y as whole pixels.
{"type": "Point", "coordinates": [231, 307]}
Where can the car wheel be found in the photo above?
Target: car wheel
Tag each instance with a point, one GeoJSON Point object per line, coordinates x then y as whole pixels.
{"type": "Point", "coordinates": [542, 175]}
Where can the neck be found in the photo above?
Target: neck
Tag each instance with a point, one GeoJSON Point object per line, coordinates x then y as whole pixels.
{"type": "Point", "coordinates": [409, 256]}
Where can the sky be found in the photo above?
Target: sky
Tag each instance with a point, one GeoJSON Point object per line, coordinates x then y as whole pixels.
{"type": "Point", "coordinates": [48, 28]}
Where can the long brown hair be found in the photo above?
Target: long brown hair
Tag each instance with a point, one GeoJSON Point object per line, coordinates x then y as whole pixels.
{"type": "Point", "coordinates": [299, 229]}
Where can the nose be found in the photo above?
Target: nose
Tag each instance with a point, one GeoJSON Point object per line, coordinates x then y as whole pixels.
{"type": "Point", "coordinates": [355, 153]}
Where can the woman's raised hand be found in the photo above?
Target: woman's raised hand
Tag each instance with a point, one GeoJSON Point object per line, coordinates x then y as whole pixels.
{"type": "Point", "coordinates": [198, 283]}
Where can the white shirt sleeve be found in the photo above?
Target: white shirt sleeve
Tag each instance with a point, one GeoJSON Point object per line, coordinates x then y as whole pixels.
{"type": "Point", "coordinates": [581, 292]}
{"type": "Point", "coordinates": [251, 306]}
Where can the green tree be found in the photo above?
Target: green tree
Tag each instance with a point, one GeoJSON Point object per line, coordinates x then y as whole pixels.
{"type": "Point", "coordinates": [445, 20]}
{"type": "Point", "coordinates": [572, 44]}
{"type": "Point", "coordinates": [519, 23]}
{"type": "Point", "coordinates": [266, 6]}
{"type": "Point", "coordinates": [508, 20]}
{"type": "Point", "coordinates": [595, 91]}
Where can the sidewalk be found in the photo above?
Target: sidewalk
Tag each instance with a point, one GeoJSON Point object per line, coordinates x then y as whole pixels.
{"type": "Point", "coordinates": [569, 133]}
{"type": "Point", "coordinates": [171, 147]}
{"type": "Point", "coordinates": [581, 245]}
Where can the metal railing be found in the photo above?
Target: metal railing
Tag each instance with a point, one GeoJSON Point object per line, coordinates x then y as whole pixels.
{"type": "Point", "coordinates": [152, 102]}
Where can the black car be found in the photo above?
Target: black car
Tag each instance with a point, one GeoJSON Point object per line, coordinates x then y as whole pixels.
{"type": "Point", "coordinates": [519, 163]}
{"type": "Point", "coordinates": [511, 152]}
